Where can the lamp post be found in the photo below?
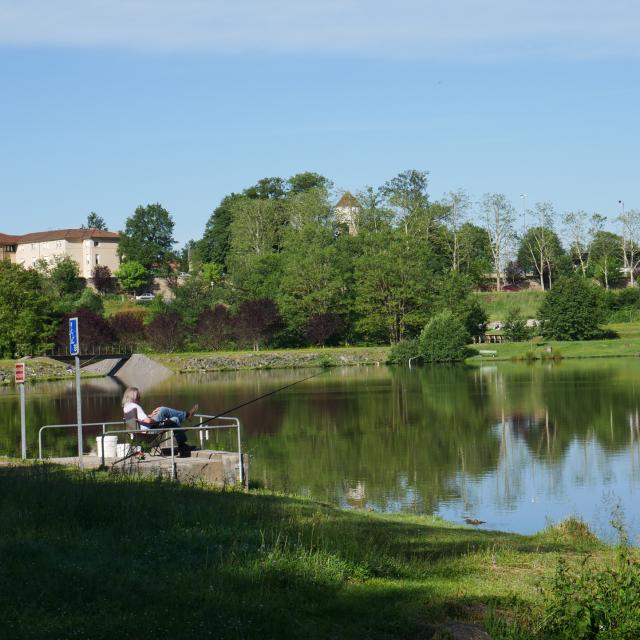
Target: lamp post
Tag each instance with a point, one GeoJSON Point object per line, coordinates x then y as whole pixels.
{"type": "Point", "coordinates": [624, 240]}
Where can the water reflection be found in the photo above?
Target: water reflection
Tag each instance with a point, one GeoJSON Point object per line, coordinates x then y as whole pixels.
{"type": "Point", "coordinates": [514, 445]}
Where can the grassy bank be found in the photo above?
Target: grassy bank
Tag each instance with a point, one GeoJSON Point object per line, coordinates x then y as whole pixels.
{"type": "Point", "coordinates": [38, 369]}
{"type": "Point", "coordinates": [498, 304]}
{"type": "Point", "coordinates": [627, 344]}
{"type": "Point", "coordinates": [273, 358]}
{"type": "Point", "coordinates": [94, 555]}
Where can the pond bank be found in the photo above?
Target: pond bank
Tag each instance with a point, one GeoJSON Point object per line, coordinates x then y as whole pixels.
{"type": "Point", "coordinates": [273, 359]}
{"type": "Point", "coordinates": [254, 565]}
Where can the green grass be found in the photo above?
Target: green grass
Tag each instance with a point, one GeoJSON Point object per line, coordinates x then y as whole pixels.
{"type": "Point", "coordinates": [101, 556]}
{"type": "Point", "coordinates": [115, 304]}
{"type": "Point", "coordinates": [627, 344]}
{"type": "Point", "coordinates": [498, 304]}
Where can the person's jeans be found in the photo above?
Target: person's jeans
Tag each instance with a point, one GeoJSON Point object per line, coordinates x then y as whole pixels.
{"type": "Point", "coordinates": [175, 415]}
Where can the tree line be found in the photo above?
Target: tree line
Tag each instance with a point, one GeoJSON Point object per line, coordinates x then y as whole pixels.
{"type": "Point", "coordinates": [309, 278]}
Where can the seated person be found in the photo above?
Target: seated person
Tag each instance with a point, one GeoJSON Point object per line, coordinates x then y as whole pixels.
{"type": "Point", "coordinates": [131, 402]}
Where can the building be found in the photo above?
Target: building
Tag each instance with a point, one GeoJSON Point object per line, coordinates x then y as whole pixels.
{"type": "Point", "coordinates": [347, 210]}
{"type": "Point", "coordinates": [88, 247]}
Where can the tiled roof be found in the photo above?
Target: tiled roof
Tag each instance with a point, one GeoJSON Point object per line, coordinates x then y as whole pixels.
{"type": "Point", "coordinates": [347, 200]}
{"type": "Point", "coordinates": [59, 234]}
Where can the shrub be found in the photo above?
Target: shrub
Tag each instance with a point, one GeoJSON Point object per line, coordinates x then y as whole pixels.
{"type": "Point", "coordinates": [102, 278]}
{"type": "Point", "coordinates": [401, 352]}
{"type": "Point", "coordinates": [166, 332]}
{"type": "Point", "coordinates": [215, 327]}
{"type": "Point", "coordinates": [65, 276]}
{"type": "Point", "coordinates": [92, 327]}
{"type": "Point", "coordinates": [323, 328]}
{"type": "Point", "coordinates": [444, 338]}
{"type": "Point", "coordinates": [572, 310]}
{"type": "Point", "coordinates": [90, 300]}
{"type": "Point", "coordinates": [128, 327]}
{"type": "Point", "coordinates": [257, 321]}
{"type": "Point", "coordinates": [515, 326]}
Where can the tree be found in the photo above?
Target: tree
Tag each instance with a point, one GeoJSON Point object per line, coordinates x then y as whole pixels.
{"type": "Point", "coordinates": [166, 332]}
{"type": "Point", "coordinates": [92, 327]}
{"type": "Point", "coordinates": [65, 277]}
{"type": "Point", "coordinates": [572, 310]}
{"type": "Point", "coordinates": [25, 311]}
{"type": "Point", "coordinates": [216, 240]}
{"type": "Point", "coordinates": [128, 328]}
{"type": "Point", "coordinates": [132, 276]}
{"type": "Point", "coordinates": [323, 328]}
{"type": "Point", "coordinates": [606, 259]}
{"type": "Point", "coordinates": [580, 235]}
{"type": "Point", "coordinates": [257, 321]}
{"type": "Point", "coordinates": [215, 327]}
{"type": "Point", "coordinates": [498, 216]}
{"type": "Point", "coordinates": [373, 215]}
{"type": "Point", "coordinates": [392, 277]}
{"type": "Point", "coordinates": [407, 194]}
{"type": "Point", "coordinates": [148, 239]}
{"type": "Point", "coordinates": [630, 222]}
{"type": "Point", "coordinates": [94, 221]}
{"type": "Point", "coordinates": [102, 278]}
{"type": "Point", "coordinates": [307, 181]}
{"type": "Point", "coordinates": [444, 338]}
{"type": "Point", "coordinates": [539, 252]}
{"type": "Point", "coordinates": [474, 247]}
{"type": "Point", "coordinates": [267, 189]}
{"type": "Point", "coordinates": [458, 204]}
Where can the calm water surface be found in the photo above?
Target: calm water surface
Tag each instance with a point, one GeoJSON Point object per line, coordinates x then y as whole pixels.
{"type": "Point", "coordinates": [514, 445]}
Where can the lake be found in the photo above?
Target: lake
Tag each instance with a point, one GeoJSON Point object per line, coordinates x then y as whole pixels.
{"type": "Point", "coordinates": [515, 445]}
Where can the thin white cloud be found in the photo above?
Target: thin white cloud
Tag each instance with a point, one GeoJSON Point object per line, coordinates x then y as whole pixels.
{"type": "Point", "coordinates": [453, 29]}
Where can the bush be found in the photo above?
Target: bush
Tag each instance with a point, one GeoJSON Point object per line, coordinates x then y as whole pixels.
{"type": "Point", "coordinates": [403, 351]}
{"type": "Point", "coordinates": [102, 278]}
{"type": "Point", "coordinates": [93, 329]}
{"type": "Point", "coordinates": [572, 310]}
{"type": "Point", "coordinates": [128, 327]}
{"type": "Point", "coordinates": [166, 332]}
{"type": "Point", "coordinates": [444, 338]}
{"type": "Point", "coordinates": [515, 326]}
{"type": "Point", "coordinates": [257, 321]}
{"type": "Point", "coordinates": [215, 328]}
{"type": "Point", "coordinates": [323, 328]}
{"type": "Point", "coordinates": [90, 300]}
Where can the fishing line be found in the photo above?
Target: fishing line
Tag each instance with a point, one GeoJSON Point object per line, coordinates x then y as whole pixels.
{"type": "Point", "coordinates": [266, 395]}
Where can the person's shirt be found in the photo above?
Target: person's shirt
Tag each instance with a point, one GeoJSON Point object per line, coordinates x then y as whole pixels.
{"type": "Point", "coordinates": [141, 416]}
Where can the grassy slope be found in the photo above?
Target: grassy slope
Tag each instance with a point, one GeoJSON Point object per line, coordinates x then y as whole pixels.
{"type": "Point", "coordinates": [95, 555]}
{"type": "Point", "coordinates": [628, 344]}
{"type": "Point", "coordinates": [498, 305]}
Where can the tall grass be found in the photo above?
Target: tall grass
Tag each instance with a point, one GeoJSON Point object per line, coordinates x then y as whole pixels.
{"type": "Point", "coordinates": [498, 304]}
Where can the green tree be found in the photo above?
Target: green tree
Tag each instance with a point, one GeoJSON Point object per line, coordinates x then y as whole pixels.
{"type": "Point", "coordinates": [474, 248]}
{"type": "Point", "coordinates": [148, 239]}
{"type": "Point", "coordinates": [515, 326]}
{"type": "Point", "coordinates": [498, 215]}
{"type": "Point", "coordinates": [407, 194]}
{"type": "Point", "coordinates": [572, 310]}
{"type": "Point", "coordinates": [216, 240]}
{"type": "Point", "coordinates": [267, 189]}
{"type": "Point", "coordinates": [94, 221]}
{"type": "Point", "coordinates": [539, 252]}
{"type": "Point", "coordinates": [307, 181]}
{"type": "Point", "coordinates": [392, 295]}
{"type": "Point", "coordinates": [444, 338]}
{"type": "Point", "coordinates": [132, 276]}
{"type": "Point", "coordinates": [26, 315]}
{"type": "Point", "coordinates": [65, 277]}
{"type": "Point", "coordinates": [606, 258]}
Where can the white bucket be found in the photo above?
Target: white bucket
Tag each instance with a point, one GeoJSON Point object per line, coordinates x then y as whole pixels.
{"type": "Point", "coordinates": [110, 446]}
{"type": "Point", "coordinates": [122, 450]}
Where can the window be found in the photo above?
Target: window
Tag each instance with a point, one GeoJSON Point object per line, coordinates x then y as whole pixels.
{"type": "Point", "coordinates": [97, 259]}
{"type": "Point", "coordinates": [96, 244]}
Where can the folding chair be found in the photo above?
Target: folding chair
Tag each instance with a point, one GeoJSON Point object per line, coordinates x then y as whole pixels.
{"type": "Point", "coordinates": [144, 441]}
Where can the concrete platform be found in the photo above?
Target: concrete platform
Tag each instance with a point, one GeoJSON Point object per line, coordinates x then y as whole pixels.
{"type": "Point", "coordinates": [217, 468]}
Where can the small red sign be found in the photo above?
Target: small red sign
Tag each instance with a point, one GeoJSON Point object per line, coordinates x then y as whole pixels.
{"type": "Point", "coordinates": [21, 372]}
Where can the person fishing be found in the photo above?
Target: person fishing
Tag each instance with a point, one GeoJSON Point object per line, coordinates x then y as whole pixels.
{"type": "Point", "coordinates": [131, 402]}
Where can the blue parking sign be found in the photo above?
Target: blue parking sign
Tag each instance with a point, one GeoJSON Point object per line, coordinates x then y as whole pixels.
{"type": "Point", "coordinates": [74, 337]}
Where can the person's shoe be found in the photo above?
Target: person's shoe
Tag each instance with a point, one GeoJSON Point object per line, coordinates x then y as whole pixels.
{"type": "Point", "coordinates": [192, 411]}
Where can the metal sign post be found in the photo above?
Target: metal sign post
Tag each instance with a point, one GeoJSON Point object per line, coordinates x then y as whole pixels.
{"type": "Point", "coordinates": [20, 378]}
{"type": "Point", "coordinates": [74, 350]}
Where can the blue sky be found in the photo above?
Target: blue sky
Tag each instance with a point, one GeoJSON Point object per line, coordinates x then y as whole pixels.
{"type": "Point", "coordinates": [108, 105]}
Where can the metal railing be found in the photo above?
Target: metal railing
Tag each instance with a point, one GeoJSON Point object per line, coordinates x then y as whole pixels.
{"type": "Point", "coordinates": [230, 422]}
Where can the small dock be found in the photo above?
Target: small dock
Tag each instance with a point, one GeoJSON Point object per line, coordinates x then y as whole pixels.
{"type": "Point", "coordinates": [216, 468]}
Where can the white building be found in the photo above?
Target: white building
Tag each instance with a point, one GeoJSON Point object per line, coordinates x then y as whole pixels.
{"type": "Point", "coordinates": [88, 247]}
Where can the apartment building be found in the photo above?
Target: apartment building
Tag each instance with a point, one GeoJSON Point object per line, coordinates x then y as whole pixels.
{"type": "Point", "coordinates": [88, 247]}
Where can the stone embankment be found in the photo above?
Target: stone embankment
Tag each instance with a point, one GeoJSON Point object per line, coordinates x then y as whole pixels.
{"type": "Point", "coordinates": [286, 359]}
{"type": "Point", "coordinates": [37, 369]}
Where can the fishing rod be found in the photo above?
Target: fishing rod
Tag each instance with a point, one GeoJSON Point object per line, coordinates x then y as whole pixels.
{"type": "Point", "coordinates": [266, 395]}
